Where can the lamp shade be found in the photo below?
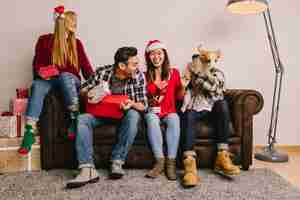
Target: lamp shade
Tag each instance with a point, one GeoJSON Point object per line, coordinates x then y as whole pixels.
{"type": "Point", "coordinates": [247, 6]}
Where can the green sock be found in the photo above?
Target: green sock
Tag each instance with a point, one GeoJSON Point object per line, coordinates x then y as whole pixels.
{"type": "Point", "coordinates": [29, 138]}
{"type": "Point", "coordinates": [73, 126]}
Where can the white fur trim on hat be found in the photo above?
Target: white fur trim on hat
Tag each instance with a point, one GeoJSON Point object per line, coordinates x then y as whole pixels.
{"type": "Point", "coordinates": [56, 15]}
{"type": "Point", "coordinates": [154, 46]}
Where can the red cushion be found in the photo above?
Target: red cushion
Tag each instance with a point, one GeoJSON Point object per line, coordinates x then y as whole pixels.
{"type": "Point", "coordinates": [108, 107]}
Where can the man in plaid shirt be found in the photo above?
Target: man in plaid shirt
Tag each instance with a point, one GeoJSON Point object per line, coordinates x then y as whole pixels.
{"type": "Point", "coordinates": [122, 78]}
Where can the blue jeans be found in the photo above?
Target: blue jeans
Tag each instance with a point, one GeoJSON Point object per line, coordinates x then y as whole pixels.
{"type": "Point", "coordinates": [155, 134]}
{"type": "Point", "coordinates": [66, 82]}
{"type": "Point", "coordinates": [127, 131]}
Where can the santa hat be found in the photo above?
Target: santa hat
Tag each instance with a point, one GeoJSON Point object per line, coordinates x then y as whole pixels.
{"type": "Point", "coordinates": [58, 12]}
{"type": "Point", "coordinates": [154, 44]}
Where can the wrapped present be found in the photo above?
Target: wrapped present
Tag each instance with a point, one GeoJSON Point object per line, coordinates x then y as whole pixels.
{"type": "Point", "coordinates": [8, 125]}
{"type": "Point", "coordinates": [109, 107]}
{"type": "Point", "coordinates": [19, 105]}
{"type": "Point", "coordinates": [12, 161]}
{"type": "Point", "coordinates": [49, 71]}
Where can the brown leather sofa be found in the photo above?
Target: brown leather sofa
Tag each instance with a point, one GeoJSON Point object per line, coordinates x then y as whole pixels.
{"type": "Point", "coordinates": [58, 152]}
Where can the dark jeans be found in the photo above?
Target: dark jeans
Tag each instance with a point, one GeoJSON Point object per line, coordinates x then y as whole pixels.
{"type": "Point", "coordinates": [220, 117]}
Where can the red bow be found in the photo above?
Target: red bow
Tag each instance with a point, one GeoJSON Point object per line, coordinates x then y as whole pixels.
{"type": "Point", "coordinates": [59, 9]}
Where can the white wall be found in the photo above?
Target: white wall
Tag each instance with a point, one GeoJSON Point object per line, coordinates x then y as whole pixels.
{"type": "Point", "coordinates": [106, 25]}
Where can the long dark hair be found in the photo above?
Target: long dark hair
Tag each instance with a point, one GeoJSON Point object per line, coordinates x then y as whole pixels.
{"type": "Point", "coordinates": [150, 74]}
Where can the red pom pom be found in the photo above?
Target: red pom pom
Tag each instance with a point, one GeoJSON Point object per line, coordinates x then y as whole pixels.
{"type": "Point", "coordinates": [59, 9]}
{"type": "Point", "coordinates": [71, 136]}
{"type": "Point", "coordinates": [151, 88]}
{"type": "Point", "coordinates": [23, 151]}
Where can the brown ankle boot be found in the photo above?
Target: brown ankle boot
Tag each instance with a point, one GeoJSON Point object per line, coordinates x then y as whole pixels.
{"type": "Point", "coordinates": [190, 176]}
{"type": "Point", "coordinates": [224, 163]}
{"type": "Point", "coordinates": [157, 169]}
{"type": "Point", "coordinates": [171, 169]}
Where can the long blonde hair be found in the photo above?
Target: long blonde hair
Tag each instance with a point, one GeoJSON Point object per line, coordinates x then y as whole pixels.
{"type": "Point", "coordinates": [64, 49]}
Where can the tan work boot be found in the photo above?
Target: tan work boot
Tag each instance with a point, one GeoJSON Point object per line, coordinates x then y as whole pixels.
{"type": "Point", "coordinates": [224, 163]}
{"type": "Point", "coordinates": [88, 174]}
{"type": "Point", "coordinates": [171, 169]}
{"type": "Point", "coordinates": [190, 177]}
{"type": "Point", "coordinates": [157, 169]}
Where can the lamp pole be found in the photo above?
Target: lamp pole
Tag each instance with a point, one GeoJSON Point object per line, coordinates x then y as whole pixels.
{"type": "Point", "coordinates": [269, 153]}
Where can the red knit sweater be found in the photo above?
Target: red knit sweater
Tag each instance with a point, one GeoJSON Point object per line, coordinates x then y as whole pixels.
{"type": "Point", "coordinates": [43, 57]}
{"type": "Point", "coordinates": [171, 94]}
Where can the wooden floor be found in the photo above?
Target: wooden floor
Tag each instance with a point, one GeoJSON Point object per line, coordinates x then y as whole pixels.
{"type": "Point", "coordinates": [290, 170]}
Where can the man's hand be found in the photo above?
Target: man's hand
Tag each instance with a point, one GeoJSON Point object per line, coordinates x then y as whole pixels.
{"type": "Point", "coordinates": [187, 71]}
{"type": "Point", "coordinates": [92, 98]}
{"type": "Point", "coordinates": [96, 94]}
{"type": "Point", "coordinates": [127, 104]}
{"type": "Point", "coordinates": [185, 80]}
{"type": "Point", "coordinates": [84, 92]}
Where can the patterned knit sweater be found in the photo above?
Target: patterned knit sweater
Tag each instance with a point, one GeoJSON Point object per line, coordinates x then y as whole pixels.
{"type": "Point", "coordinates": [204, 90]}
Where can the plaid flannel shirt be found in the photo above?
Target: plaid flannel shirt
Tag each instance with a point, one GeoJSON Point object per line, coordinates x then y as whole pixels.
{"type": "Point", "coordinates": [135, 87]}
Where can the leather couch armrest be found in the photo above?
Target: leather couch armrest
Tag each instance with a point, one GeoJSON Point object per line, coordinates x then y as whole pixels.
{"type": "Point", "coordinates": [244, 104]}
{"type": "Point", "coordinates": [250, 101]}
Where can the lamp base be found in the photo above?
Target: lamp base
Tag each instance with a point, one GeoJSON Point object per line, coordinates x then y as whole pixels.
{"type": "Point", "coordinates": [270, 154]}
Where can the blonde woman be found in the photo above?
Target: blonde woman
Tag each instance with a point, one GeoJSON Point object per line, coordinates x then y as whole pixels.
{"type": "Point", "coordinates": [62, 53]}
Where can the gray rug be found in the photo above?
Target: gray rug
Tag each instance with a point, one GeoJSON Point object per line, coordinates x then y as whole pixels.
{"type": "Point", "coordinates": [253, 184]}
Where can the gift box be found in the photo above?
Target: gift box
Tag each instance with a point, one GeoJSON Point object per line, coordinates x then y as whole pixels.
{"type": "Point", "coordinates": [8, 125]}
{"type": "Point", "coordinates": [48, 71]}
{"type": "Point", "coordinates": [12, 161]}
{"type": "Point", "coordinates": [109, 107]}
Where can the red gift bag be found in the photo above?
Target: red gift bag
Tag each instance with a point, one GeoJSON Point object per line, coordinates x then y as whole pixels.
{"type": "Point", "coordinates": [108, 107]}
{"type": "Point", "coordinates": [19, 106]}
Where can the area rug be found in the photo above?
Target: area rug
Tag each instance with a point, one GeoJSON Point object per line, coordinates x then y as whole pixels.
{"type": "Point", "coordinates": [255, 184]}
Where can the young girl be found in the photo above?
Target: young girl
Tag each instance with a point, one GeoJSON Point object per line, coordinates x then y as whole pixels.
{"type": "Point", "coordinates": [164, 88]}
{"type": "Point", "coordinates": [63, 53]}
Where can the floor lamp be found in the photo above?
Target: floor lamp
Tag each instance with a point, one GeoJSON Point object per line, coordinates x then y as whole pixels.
{"type": "Point", "coordinates": [269, 153]}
